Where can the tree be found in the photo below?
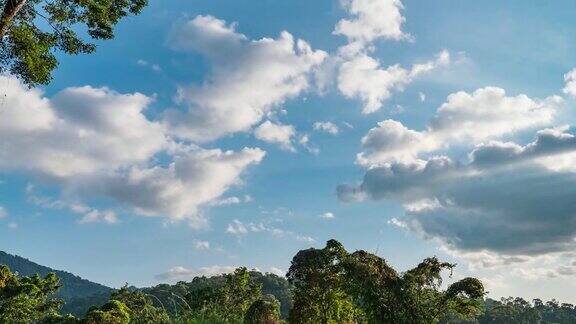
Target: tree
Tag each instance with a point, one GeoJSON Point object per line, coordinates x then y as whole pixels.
{"type": "Point", "coordinates": [333, 286]}
{"type": "Point", "coordinates": [264, 311]}
{"type": "Point", "coordinates": [140, 307]}
{"type": "Point", "coordinates": [237, 294]}
{"type": "Point", "coordinates": [412, 297]}
{"type": "Point", "coordinates": [113, 312]}
{"type": "Point", "coordinates": [319, 286]}
{"type": "Point", "coordinates": [32, 30]}
{"type": "Point", "coordinates": [227, 302]}
{"type": "Point", "coordinates": [27, 299]}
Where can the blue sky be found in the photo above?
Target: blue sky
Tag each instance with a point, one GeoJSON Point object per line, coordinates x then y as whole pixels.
{"type": "Point", "coordinates": [96, 195]}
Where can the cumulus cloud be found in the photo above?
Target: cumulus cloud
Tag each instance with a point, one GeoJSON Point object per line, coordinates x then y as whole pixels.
{"type": "Point", "coordinates": [362, 77]}
{"type": "Point", "coordinates": [97, 143]}
{"type": "Point", "coordinates": [328, 215]}
{"type": "Point", "coordinates": [570, 86]}
{"type": "Point", "coordinates": [78, 131]}
{"type": "Point", "coordinates": [327, 127]}
{"type": "Point", "coordinates": [279, 134]}
{"type": "Point", "coordinates": [506, 198]}
{"type": "Point", "coordinates": [509, 198]}
{"type": "Point", "coordinates": [194, 178]}
{"type": "Point", "coordinates": [180, 273]}
{"type": "Point", "coordinates": [465, 118]}
{"type": "Point", "coordinates": [372, 19]}
{"type": "Point", "coordinates": [248, 78]}
{"type": "Point", "coordinates": [201, 245]}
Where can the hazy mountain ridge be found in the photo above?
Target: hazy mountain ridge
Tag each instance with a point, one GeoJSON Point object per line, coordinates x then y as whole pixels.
{"type": "Point", "coordinates": [77, 292]}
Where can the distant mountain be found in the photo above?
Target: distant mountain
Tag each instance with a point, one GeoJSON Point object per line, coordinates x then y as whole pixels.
{"type": "Point", "coordinates": [79, 294]}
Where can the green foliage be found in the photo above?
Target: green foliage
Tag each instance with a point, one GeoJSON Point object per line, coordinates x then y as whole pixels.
{"type": "Point", "coordinates": [228, 303]}
{"type": "Point", "coordinates": [113, 312]}
{"type": "Point", "coordinates": [77, 293]}
{"type": "Point", "coordinates": [263, 311]}
{"type": "Point", "coordinates": [319, 286]}
{"type": "Point", "coordinates": [518, 310]}
{"type": "Point", "coordinates": [333, 286]}
{"type": "Point", "coordinates": [27, 299]}
{"type": "Point", "coordinates": [326, 285]}
{"type": "Point", "coordinates": [31, 31]}
{"type": "Point", "coordinates": [140, 307]}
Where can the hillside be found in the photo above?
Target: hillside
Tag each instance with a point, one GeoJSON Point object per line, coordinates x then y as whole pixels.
{"type": "Point", "coordinates": [78, 293]}
{"type": "Point", "coordinates": [170, 295]}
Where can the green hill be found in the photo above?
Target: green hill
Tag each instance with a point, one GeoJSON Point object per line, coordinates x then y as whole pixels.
{"type": "Point", "coordinates": [78, 293]}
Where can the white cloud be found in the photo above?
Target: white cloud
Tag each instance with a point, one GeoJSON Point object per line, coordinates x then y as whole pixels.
{"type": "Point", "coordinates": [233, 200]}
{"type": "Point", "coordinates": [277, 271]}
{"type": "Point", "coordinates": [362, 77]}
{"type": "Point", "coordinates": [305, 238]}
{"type": "Point", "coordinates": [422, 96]}
{"type": "Point", "coordinates": [79, 131]}
{"type": "Point", "coordinates": [194, 178]}
{"type": "Point", "coordinates": [201, 245]}
{"type": "Point", "coordinates": [276, 134]}
{"type": "Point", "coordinates": [328, 215]}
{"type": "Point", "coordinates": [392, 141]}
{"type": "Point", "coordinates": [95, 216]}
{"type": "Point", "coordinates": [570, 87]}
{"type": "Point", "coordinates": [3, 212]}
{"type": "Point", "coordinates": [485, 114]}
{"type": "Point", "coordinates": [248, 79]}
{"type": "Point", "coordinates": [304, 140]}
{"type": "Point", "coordinates": [180, 273]}
{"type": "Point", "coordinates": [507, 199]}
{"type": "Point", "coordinates": [152, 66]}
{"type": "Point", "coordinates": [13, 225]}
{"type": "Point", "coordinates": [239, 228]}
{"type": "Point", "coordinates": [228, 201]}
{"type": "Point", "coordinates": [89, 214]}
{"type": "Point", "coordinates": [372, 19]}
{"type": "Point", "coordinates": [327, 127]}
{"type": "Point", "coordinates": [97, 143]}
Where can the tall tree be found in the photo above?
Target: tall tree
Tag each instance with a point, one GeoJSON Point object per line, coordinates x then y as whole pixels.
{"type": "Point", "coordinates": [319, 286]}
{"type": "Point", "coordinates": [31, 31]}
{"type": "Point", "coordinates": [414, 296]}
{"type": "Point", "coordinates": [140, 306]}
{"type": "Point", "coordinates": [27, 299]}
{"type": "Point", "coordinates": [265, 310]}
{"type": "Point", "coordinates": [333, 286]}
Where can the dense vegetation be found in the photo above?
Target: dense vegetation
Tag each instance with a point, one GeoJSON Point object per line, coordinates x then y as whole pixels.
{"type": "Point", "coordinates": [77, 293]}
{"type": "Point", "coordinates": [31, 31]}
{"type": "Point", "coordinates": [328, 285]}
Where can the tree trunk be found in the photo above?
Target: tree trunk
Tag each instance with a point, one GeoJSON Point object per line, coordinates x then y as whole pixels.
{"type": "Point", "coordinates": [11, 8]}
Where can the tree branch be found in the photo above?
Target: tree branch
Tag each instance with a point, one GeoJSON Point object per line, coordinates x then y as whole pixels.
{"type": "Point", "coordinates": [11, 8]}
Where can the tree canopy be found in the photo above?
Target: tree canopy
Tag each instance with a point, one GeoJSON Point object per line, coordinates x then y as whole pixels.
{"type": "Point", "coordinates": [27, 299]}
{"type": "Point", "coordinates": [324, 285]}
{"type": "Point", "coordinates": [31, 31]}
{"type": "Point", "coordinates": [334, 286]}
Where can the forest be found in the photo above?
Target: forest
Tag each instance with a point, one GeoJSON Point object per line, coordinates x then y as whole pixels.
{"type": "Point", "coordinates": [328, 285]}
